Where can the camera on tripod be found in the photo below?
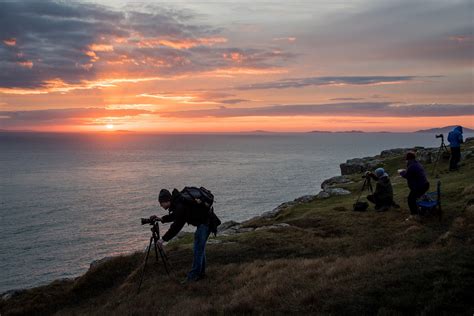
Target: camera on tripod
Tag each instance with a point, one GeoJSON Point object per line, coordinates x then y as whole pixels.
{"type": "Point", "coordinates": [440, 136]}
{"type": "Point", "coordinates": [151, 220]}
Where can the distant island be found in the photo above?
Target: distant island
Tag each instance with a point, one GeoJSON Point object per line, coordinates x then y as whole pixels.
{"type": "Point", "coordinates": [326, 132]}
{"type": "Point", "coordinates": [445, 129]}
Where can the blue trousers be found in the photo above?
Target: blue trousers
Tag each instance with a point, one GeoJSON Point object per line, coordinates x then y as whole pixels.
{"type": "Point", "coordinates": [199, 260]}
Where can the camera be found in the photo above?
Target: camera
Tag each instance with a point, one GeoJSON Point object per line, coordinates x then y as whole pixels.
{"type": "Point", "coordinates": [149, 220]}
{"type": "Point", "coordinates": [439, 136]}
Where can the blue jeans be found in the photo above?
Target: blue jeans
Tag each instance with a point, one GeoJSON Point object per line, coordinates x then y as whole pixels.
{"type": "Point", "coordinates": [199, 261]}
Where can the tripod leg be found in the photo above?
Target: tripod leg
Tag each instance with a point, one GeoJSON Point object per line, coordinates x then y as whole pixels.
{"type": "Point", "coordinates": [144, 265]}
{"type": "Point", "coordinates": [156, 251]}
{"type": "Point", "coordinates": [436, 161]}
{"type": "Point", "coordinates": [164, 258]}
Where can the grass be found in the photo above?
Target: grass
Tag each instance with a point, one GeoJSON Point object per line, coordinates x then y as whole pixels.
{"type": "Point", "coordinates": [330, 260]}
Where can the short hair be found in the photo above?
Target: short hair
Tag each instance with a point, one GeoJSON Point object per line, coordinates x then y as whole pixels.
{"type": "Point", "coordinates": [410, 155]}
{"type": "Point", "coordinates": [164, 196]}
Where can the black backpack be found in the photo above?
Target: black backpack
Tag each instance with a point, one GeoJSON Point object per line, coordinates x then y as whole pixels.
{"type": "Point", "coordinates": [202, 200]}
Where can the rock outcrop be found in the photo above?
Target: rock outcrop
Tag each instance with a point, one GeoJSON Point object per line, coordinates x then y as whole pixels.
{"type": "Point", "coordinates": [359, 165]}
{"type": "Point", "coordinates": [334, 181]}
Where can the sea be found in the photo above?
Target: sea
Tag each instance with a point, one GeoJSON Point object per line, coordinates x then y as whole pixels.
{"type": "Point", "coordinates": [69, 199]}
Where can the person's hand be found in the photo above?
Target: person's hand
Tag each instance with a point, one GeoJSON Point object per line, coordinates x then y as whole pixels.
{"type": "Point", "coordinates": [160, 242]}
{"type": "Point", "coordinates": [155, 218]}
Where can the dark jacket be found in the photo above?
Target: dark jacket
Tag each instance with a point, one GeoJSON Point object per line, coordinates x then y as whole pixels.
{"type": "Point", "coordinates": [455, 137]}
{"type": "Point", "coordinates": [181, 212]}
{"type": "Point", "coordinates": [415, 175]}
{"type": "Point", "coordinates": [383, 193]}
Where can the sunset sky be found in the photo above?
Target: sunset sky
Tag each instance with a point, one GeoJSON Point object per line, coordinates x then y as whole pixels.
{"type": "Point", "coordinates": [230, 66]}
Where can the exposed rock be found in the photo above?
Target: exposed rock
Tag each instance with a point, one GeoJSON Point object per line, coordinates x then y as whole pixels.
{"type": "Point", "coordinates": [276, 210]}
{"type": "Point", "coordinates": [224, 226]}
{"type": "Point", "coordinates": [228, 228]}
{"type": "Point", "coordinates": [276, 226]}
{"type": "Point", "coordinates": [214, 241]}
{"type": "Point", "coordinates": [286, 205]}
{"type": "Point", "coordinates": [394, 152]}
{"type": "Point", "coordinates": [305, 199]}
{"type": "Point", "coordinates": [359, 165]}
{"type": "Point", "coordinates": [334, 180]}
{"type": "Point", "coordinates": [337, 191]}
{"type": "Point", "coordinates": [246, 229]}
{"type": "Point", "coordinates": [322, 195]}
{"type": "Point", "coordinates": [469, 139]}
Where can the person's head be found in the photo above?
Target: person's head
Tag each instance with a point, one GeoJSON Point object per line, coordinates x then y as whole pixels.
{"type": "Point", "coordinates": [410, 156]}
{"type": "Point", "coordinates": [458, 128]}
{"type": "Point", "coordinates": [165, 199]}
{"type": "Point", "coordinates": [379, 172]}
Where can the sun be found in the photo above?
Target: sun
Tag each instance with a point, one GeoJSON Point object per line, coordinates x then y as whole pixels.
{"type": "Point", "coordinates": [110, 126]}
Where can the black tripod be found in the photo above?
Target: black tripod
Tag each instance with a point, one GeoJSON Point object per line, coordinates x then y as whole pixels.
{"type": "Point", "coordinates": [367, 185]}
{"type": "Point", "coordinates": [442, 149]}
{"type": "Point", "coordinates": [155, 236]}
{"type": "Point", "coordinates": [362, 206]}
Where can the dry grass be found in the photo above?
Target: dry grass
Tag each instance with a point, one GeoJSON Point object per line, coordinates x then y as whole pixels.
{"type": "Point", "coordinates": [329, 261]}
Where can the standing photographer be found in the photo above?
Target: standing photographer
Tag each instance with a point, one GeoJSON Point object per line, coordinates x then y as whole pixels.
{"type": "Point", "coordinates": [455, 140]}
{"type": "Point", "coordinates": [417, 183]}
{"type": "Point", "coordinates": [383, 194]}
{"type": "Point", "coordinates": [180, 213]}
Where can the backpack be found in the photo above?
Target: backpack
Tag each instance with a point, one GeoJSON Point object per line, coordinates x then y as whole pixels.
{"type": "Point", "coordinates": [360, 206]}
{"type": "Point", "coordinates": [202, 200]}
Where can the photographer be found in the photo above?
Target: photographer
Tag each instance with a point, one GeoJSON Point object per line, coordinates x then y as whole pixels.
{"type": "Point", "coordinates": [417, 183]}
{"type": "Point", "coordinates": [383, 194]}
{"type": "Point", "coordinates": [455, 140]}
{"type": "Point", "coordinates": [180, 213]}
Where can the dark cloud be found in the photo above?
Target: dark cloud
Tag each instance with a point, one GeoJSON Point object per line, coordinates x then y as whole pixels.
{"type": "Point", "coordinates": [326, 81]}
{"type": "Point", "coordinates": [63, 116]}
{"type": "Point", "coordinates": [72, 42]}
{"type": "Point", "coordinates": [346, 99]}
{"type": "Point", "coordinates": [234, 101]}
{"type": "Point", "coordinates": [375, 109]}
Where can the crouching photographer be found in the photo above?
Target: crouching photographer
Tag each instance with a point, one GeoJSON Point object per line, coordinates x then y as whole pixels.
{"type": "Point", "coordinates": [192, 206]}
{"type": "Point", "coordinates": [383, 194]}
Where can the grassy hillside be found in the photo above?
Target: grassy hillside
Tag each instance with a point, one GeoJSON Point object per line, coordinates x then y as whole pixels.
{"type": "Point", "coordinates": [330, 260]}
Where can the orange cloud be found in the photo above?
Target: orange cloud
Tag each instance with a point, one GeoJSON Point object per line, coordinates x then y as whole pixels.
{"type": "Point", "coordinates": [92, 55]}
{"type": "Point", "coordinates": [10, 41]}
{"type": "Point", "coordinates": [180, 43]}
{"type": "Point", "coordinates": [59, 86]}
{"type": "Point", "coordinates": [234, 56]}
{"type": "Point", "coordinates": [101, 47]}
{"type": "Point", "coordinates": [184, 98]}
{"type": "Point", "coordinates": [27, 64]}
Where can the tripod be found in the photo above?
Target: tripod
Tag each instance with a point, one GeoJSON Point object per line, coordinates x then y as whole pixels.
{"type": "Point", "coordinates": [442, 149]}
{"type": "Point", "coordinates": [367, 184]}
{"type": "Point", "coordinates": [155, 236]}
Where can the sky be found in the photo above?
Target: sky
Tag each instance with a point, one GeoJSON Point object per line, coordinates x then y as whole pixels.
{"type": "Point", "coordinates": [233, 66]}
